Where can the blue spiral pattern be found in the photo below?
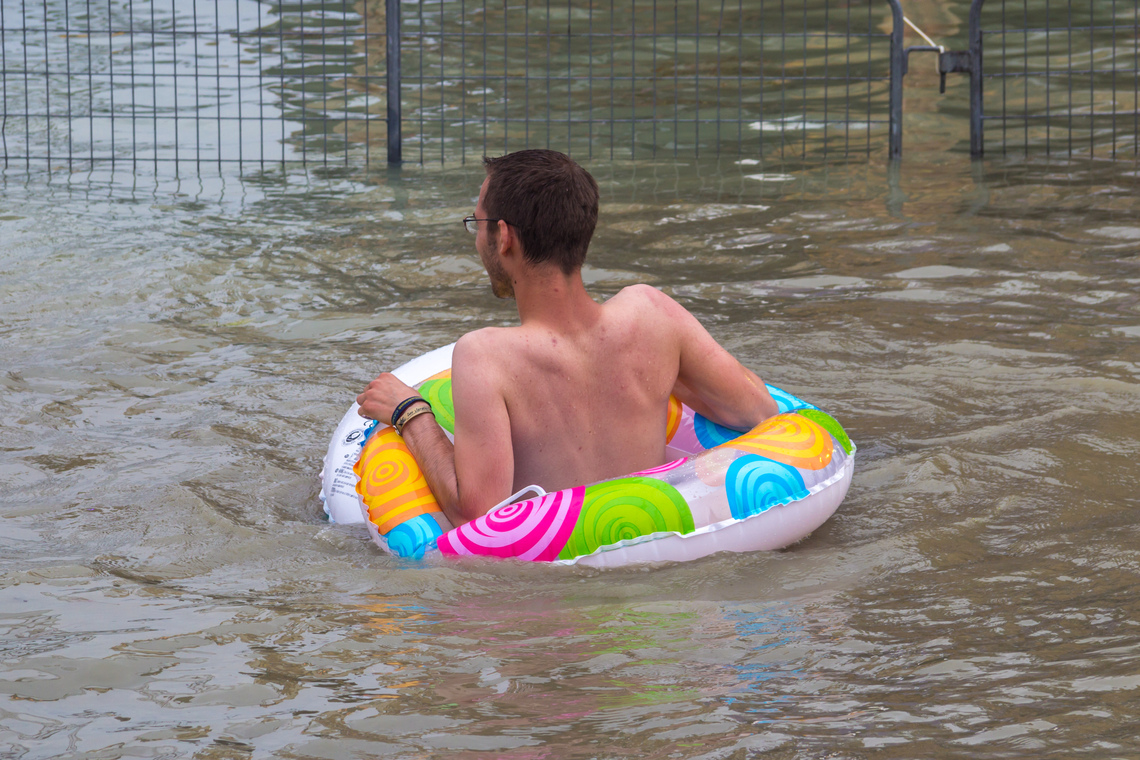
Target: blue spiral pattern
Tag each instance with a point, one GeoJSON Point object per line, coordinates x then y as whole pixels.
{"type": "Point", "coordinates": [786, 401]}
{"type": "Point", "coordinates": [711, 434]}
{"type": "Point", "coordinates": [413, 537]}
{"type": "Point", "coordinates": [755, 484]}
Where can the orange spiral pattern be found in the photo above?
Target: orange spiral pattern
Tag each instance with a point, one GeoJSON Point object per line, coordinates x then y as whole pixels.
{"type": "Point", "coordinates": [441, 375]}
{"type": "Point", "coordinates": [673, 418]}
{"type": "Point", "coordinates": [790, 439]}
{"type": "Point", "coordinates": [391, 483]}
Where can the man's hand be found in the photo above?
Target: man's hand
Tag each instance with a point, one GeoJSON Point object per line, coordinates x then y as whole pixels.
{"type": "Point", "coordinates": [381, 396]}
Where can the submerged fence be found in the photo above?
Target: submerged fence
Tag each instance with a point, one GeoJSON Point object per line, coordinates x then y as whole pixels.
{"type": "Point", "coordinates": [172, 82]}
{"type": "Point", "coordinates": [1056, 76]}
{"type": "Point", "coordinates": [635, 79]}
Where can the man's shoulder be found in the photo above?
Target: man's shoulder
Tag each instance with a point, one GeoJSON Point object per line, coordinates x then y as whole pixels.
{"type": "Point", "coordinates": [485, 346]}
{"type": "Point", "coordinates": [640, 291]}
{"type": "Point", "coordinates": [482, 341]}
{"type": "Point", "coordinates": [645, 302]}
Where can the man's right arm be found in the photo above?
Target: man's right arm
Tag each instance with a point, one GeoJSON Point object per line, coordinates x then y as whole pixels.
{"type": "Point", "coordinates": [477, 472]}
{"type": "Point", "coordinates": [484, 454]}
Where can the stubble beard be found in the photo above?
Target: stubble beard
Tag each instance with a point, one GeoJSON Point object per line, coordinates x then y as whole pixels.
{"type": "Point", "coordinates": [501, 284]}
{"type": "Point", "coordinates": [502, 287]}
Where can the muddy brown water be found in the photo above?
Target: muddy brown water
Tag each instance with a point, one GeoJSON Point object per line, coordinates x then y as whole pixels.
{"type": "Point", "coordinates": [173, 363]}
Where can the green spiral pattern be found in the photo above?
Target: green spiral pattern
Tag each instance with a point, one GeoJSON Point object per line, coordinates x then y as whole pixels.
{"type": "Point", "coordinates": [438, 394]}
{"type": "Point", "coordinates": [829, 423]}
{"type": "Point", "coordinates": [626, 508]}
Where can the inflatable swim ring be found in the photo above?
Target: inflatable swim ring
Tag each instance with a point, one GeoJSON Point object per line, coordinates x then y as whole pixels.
{"type": "Point", "coordinates": [722, 490]}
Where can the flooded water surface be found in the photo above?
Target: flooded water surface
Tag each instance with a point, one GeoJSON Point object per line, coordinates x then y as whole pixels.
{"type": "Point", "coordinates": [173, 362]}
{"type": "Point", "coordinates": [173, 367]}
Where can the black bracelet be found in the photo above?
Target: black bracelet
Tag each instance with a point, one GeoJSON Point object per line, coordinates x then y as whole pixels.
{"type": "Point", "coordinates": [404, 405]}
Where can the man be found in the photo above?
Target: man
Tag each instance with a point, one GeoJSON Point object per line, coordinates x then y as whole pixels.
{"type": "Point", "coordinates": [578, 392]}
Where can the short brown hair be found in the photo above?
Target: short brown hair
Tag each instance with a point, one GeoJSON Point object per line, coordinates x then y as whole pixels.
{"type": "Point", "coordinates": [551, 201]}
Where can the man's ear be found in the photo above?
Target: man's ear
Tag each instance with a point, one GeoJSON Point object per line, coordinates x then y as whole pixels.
{"type": "Point", "coordinates": [506, 237]}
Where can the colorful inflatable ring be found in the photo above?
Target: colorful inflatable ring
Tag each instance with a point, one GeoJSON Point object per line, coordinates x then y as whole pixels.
{"type": "Point", "coordinates": [721, 491]}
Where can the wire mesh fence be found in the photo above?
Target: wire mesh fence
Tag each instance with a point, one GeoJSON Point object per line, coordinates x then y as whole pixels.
{"type": "Point", "coordinates": [646, 77]}
{"type": "Point", "coordinates": [1057, 76]}
{"type": "Point", "coordinates": [171, 81]}
{"type": "Point", "coordinates": [151, 82]}
{"type": "Point", "coordinates": [154, 83]}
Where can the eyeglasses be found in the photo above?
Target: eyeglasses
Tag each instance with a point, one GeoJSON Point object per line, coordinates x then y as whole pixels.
{"type": "Point", "coordinates": [470, 223]}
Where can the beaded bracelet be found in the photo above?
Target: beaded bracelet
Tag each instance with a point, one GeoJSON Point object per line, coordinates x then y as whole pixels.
{"type": "Point", "coordinates": [404, 405]}
{"type": "Point", "coordinates": [411, 414]}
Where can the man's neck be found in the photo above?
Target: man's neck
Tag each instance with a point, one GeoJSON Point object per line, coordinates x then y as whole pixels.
{"type": "Point", "coordinates": [547, 297]}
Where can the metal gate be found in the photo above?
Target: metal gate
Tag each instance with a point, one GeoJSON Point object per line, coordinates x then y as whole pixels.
{"type": "Point", "coordinates": [1057, 77]}
{"type": "Point", "coordinates": [178, 82]}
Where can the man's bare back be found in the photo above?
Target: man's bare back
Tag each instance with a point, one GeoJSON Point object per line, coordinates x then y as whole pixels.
{"type": "Point", "coordinates": [578, 392]}
{"type": "Point", "coordinates": [586, 402]}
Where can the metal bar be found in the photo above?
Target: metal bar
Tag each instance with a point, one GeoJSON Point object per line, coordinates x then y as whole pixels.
{"type": "Point", "coordinates": [977, 138]}
{"type": "Point", "coordinates": [67, 53]}
{"type": "Point", "coordinates": [217, 76]}
{"type": "Point", "coordinates": [548, 73]}
{"type": "Point", "coordinates": [483, 86]}
{"type": "Point", "coordinates": [4, 92]}
{"type": "Point", "coordinates": [760, 131]}
{"type": "Point", "coordinates": [697, 83]}
{"type": "Point", "coordinates": [632, 78]}
{"type": "Point", "coordinates": [676, 76]}
{"type": "Point", "coordinates": [420, 49]}
{"type": "Point", "coordinates": [526, 73]}
{"type": "Point", "coordinates": [739, 78]}
{"type": "Point", "coordinates": [803, 132]}
{"type": "Point", "coordinates": [870, 23]}
{"type": "Point", "coordinates": [47, 90]}
{"type": "Point", "coordinates": [153, 84]}
{"type": "Point", "coordinates": [1069, 110]}
{"type": "Point", "coordinates": [719, 37]}
{"type": "Point", "coordinates": [1048, 125]}
{"type": "Point", "coordinates": [590, 80]}
{"type": "Point", "coordinates": [173, 71]}
{"type": "Point", "coordinates": [1113, 78]}
{"type": "Point", "coordinates": [1092, 85]}
{"type": "Point", "coordinates": [826, 61]}
{"type": "Point", "coordinates": [27, 96]}
{"type": "Point", "coordinates": [783, 75]}
{"type": "Point", "coordinates": [261, 99]}
{"type": "Point", "coordinates": [462, 60]}
{"type": "Point", "coordinates": [1004, 99]}
{"type": "Point", "coordinates": [896, 94]}
{"type": "Point", "coordinates": [506, 90]}
{"type": "Point", "coordinates": [1025, 69]}
{"type": "Point", "coordinates": [569, 71]}
{"type": "Point", "coordinates": [847, 80]}
{"type": "Point", "coordinates": [197, 96]}
{"type": "Point", "coordinates": [347, 68]}
{"type": "Point", "coordinates": [392, 52]}
{"type": "Point", "coordinates": [653, 68]}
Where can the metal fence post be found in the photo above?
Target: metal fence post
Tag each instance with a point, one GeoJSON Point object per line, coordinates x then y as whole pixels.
{"type": "Point", "coordinates": [977, 137]}
{"type": "Point", "coordinates": [896, 91]}
{"type": "Point", "coordinates": [392, 49]}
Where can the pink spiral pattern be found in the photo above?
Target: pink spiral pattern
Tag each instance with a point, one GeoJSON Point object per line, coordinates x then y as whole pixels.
{"type": "Point", "coordinates": [534, 530]}
{"type": "Point", "coordinates": [661, 468]}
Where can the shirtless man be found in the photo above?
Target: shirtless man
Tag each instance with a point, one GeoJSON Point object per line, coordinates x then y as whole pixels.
{"type": "Point", "coordinates": [578, 392]}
